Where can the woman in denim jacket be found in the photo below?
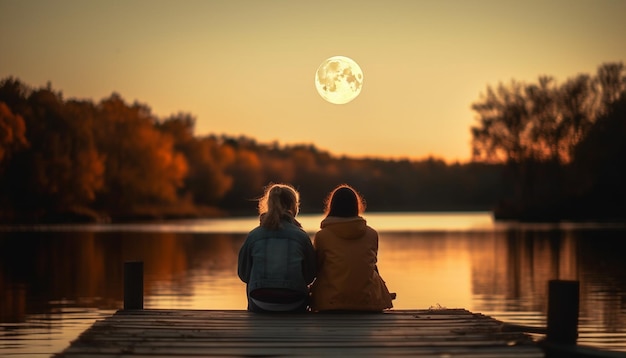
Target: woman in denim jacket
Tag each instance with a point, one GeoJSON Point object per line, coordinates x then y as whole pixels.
{"type": "Point", "coordinates": [277, 260]}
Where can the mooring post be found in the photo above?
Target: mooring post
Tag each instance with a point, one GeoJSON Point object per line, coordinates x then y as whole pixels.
{"type": "Point", "coordinates": [133, 285]}
{"type": "Point", "coordinates": [563, 302]}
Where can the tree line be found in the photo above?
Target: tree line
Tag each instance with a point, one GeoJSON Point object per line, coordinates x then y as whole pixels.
{"type": "Point", "coordinates": [541, 151]}
{"type": "Point", "coordinates": [563, 145]}
{"type": "Point", "coordinates": [70, 159]}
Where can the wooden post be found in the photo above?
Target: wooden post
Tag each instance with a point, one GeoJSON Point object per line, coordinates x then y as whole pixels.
{"type": "Point", "coordinates": [563, 301]}
{"type": "Point", "coordinates": [133, 285]}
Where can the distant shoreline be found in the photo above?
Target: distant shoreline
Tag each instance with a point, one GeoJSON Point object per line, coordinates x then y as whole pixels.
{"type": "Point", "coordinates": [499, 216]}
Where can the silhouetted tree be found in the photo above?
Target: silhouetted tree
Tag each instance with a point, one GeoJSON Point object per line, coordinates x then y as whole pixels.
{"type": "Point", "coordinates": [504, 116]}
{"type": "Point", "coordinates": [536, 130]}
{"type": "Point", "coordinates": [598, 173]}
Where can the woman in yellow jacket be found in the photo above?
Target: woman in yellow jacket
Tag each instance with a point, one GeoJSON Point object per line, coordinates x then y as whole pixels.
{"type": "Point", "coordinates": [346, 250]}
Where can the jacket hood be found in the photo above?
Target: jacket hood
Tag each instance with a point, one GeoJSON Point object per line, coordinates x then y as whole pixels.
{"type": "Point", "coordinates": [345, 228]}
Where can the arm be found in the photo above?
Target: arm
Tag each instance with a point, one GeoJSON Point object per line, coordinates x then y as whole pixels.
{"type": "Point", "coordinates": [375, 246]}
{"type": "Point", "coordinates": [244, 264]}
{"type": "Point", "coordinates": [309, 268]}
{"type": "Point", "coordinates": [318, 247]}
{"type": "Point", "coordinates": [375, 249]}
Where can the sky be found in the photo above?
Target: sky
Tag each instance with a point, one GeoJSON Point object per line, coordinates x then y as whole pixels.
{"type": "Point", "coordinates": [247, 68]}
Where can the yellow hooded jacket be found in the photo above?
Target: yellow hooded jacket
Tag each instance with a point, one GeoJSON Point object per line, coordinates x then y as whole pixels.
{"type": "Point", "coordinates": [347, 276]}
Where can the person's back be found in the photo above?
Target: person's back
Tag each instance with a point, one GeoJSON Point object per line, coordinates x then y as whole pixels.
{"type": "Point", "coordinates": [346, 249]}
{"type": "Point", "coordinates": [277, 260]}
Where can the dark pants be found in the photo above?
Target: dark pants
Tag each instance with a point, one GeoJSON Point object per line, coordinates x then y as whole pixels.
{"type": "Point", "coordinates": [278, 296]}
{"type": "Point", "coordinates": [254, 308]}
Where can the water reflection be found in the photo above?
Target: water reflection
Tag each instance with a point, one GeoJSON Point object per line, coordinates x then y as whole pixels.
{"type": "Point", "coordinates": [86, 268]}
{"type": "Point", "coordinates": [427, 269]}
{"type": "Point", "coordinates": [55, 282]}
{"type": "Point", "coordinates": [513, 270]}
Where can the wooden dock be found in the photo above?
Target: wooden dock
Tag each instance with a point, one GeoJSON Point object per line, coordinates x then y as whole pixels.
{"type": "Point", "coordinates": [206, 333]}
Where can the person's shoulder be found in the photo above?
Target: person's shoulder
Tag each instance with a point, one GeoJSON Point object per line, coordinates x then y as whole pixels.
{"type": "Point", "coordinates": [323, 232]}
{"type": "Point", "coordinates": [370, 230]}
{"type": "Point", "coordinates": [256, 230]}
{"type": "Point", "coordinates": [298, 230]}
{"type": "Point", "coordinates": [256, 233]}
{"type": "Point", "coordinates": [324, 235]}
{"type": "Point", "coordinates": [294, 231]}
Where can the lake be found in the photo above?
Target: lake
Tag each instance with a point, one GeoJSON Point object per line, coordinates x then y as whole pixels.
{"type": "Point", "coordinates": [56, 280]}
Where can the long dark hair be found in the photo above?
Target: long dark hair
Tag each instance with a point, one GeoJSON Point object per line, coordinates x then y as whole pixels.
{"type": "Point", "coordinates": [344, 201]}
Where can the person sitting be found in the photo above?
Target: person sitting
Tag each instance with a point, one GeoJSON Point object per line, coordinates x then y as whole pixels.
{"type": "Point", "coordinates": [346, 250]}
{"type": "Point", "coordinates": [277, 259]}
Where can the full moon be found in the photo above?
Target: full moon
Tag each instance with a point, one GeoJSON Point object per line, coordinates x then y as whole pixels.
{"type": "Point", "coordinates": [339, 79]}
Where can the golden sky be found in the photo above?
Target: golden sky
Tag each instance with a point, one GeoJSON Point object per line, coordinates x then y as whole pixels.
{"type": "Point", "coordinates": [248, 67]}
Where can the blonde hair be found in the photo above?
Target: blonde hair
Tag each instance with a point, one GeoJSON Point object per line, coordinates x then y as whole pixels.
{"type": "Point", "coordinates": [279, 201]}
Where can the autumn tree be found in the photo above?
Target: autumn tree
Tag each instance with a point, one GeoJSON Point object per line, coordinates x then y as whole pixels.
{"type": "Point", "coordinates": [207, 180]}
{"type": "Point", "coordinates": [60, 171]}
{"type": "Point", "coordinates": [12, 141]}
{"type": "Point", "coordinates": [142, 167]}
{"type": "Point", "coordinates": [12, 134]}
{"type": "Point", "coordinates": [118, 159]}
{"type": "Point", "coordinates": [245, 167]}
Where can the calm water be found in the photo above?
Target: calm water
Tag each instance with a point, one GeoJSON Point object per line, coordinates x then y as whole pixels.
{"type": "Point", "coordinates": [56, 281]}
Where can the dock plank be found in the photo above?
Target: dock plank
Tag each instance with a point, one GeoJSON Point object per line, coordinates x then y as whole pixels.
{"type": "Point", "coordinates": [189, 333]}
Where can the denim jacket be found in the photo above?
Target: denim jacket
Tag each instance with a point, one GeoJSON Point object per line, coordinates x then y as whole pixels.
{"type": "Point", "coordinates": [282, 258]}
